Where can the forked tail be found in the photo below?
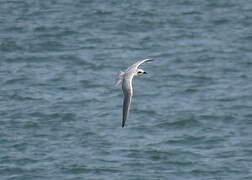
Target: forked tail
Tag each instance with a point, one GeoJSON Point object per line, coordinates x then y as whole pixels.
{"type": "Point", "coordinates": [119, 78]}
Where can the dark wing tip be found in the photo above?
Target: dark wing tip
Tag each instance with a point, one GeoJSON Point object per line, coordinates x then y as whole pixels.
{"type": "Point", "coordinates": [147, 60]}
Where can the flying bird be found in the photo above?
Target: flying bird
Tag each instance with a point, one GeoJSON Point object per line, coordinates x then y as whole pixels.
{"type": "Point", "coordinates": [126, 79]}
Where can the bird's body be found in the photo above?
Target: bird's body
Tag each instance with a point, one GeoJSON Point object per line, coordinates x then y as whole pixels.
{"type": "Point", "coordinates": [126, 79]}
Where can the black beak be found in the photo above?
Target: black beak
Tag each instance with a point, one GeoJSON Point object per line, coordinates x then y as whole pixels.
{"type": "Point", "coordinates": [145, 72]}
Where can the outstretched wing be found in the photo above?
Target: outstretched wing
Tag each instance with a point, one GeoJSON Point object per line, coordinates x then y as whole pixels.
{"type": "Point", "coordinates": [127, 92]}
{"type": "Point", "coordinates": [138, 63]}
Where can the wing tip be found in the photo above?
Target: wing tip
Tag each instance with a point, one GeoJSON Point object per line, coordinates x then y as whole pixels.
{"type": "Point", "coordinates": [149, 59]}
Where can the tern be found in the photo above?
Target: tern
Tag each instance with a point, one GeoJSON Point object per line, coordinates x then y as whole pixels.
{"type": "Point", "coordinates": [126, 79]}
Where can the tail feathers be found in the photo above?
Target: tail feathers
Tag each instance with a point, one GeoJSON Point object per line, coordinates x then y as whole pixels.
{"type": "Point", "coordinates": [119, 78]}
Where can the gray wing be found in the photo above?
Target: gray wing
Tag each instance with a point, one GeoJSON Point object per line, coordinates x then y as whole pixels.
{"type": "Point", "coordinates": [138, 63]}
{"type": "Point", "coordinates": [127, 92]}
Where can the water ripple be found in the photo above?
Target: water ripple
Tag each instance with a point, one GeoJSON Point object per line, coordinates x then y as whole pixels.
{"type": "Point", "coordinates": [190, 116]}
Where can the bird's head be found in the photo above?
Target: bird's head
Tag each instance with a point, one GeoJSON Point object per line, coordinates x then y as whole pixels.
{"type": "Point", "coordinates": [140, 72]}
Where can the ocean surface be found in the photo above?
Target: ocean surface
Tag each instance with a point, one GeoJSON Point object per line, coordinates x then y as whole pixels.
{"type": "Point", "coordinates": [191, 115]}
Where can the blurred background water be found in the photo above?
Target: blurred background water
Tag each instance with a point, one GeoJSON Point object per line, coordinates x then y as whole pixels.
{"type": "Point", "coordinates": [60, 117]}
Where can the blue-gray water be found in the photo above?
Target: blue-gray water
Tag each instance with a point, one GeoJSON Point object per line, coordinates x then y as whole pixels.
{"type": "Point", "coordinates": [60, 117]}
